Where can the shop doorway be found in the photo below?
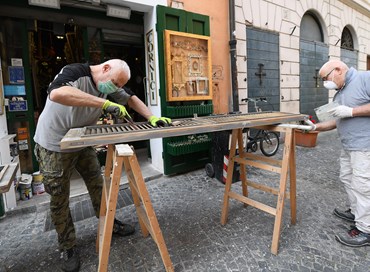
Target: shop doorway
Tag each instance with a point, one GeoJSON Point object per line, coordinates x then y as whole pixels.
{"type": "Point", "coordinates": [54, 45]}
{"type": "Point", "coordinates": [43, 48]}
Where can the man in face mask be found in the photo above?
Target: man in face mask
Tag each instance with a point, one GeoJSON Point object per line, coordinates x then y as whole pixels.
{"type": "Point", "coordinates": [76, 98]}
{"type": "Point", "coordinates": [352, 120]}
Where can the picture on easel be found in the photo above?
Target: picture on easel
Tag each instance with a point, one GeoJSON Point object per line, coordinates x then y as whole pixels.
{"type": "Point", "coordinates": [188, 66]}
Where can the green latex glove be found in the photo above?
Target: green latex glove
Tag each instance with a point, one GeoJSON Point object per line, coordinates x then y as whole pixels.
{"type": "Point", "coordinates": [115, 109]}
{"type": "Point", "coordinates": [159, 121]}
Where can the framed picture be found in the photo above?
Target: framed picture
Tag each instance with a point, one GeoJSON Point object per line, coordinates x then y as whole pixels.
{"type": "Point", "coordinates": [188, 66]}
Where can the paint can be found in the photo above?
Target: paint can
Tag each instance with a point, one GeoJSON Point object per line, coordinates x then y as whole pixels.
{"type": "Point", "coordinates": [38, 187]}
{"type": "Point", "coordinates": [25, 187]}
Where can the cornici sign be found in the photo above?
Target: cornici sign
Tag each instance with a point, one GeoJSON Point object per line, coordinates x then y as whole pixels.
{"type": "Point", "coordinates": [151, 66]}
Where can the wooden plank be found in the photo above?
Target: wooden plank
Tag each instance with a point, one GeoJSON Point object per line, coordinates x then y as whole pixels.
{"type": "Point", "coordinates": [124, 150]}
{"type": "Point", "coordinates": [281, 196]}
{"type": "Point", "coordinates": [135, 196]}
{"type": "Point", "coordinates": [262, 158]}
{"type": "Point", "coordinates": [230, 171]}
{"type": "Point", "coordinates": [242, 170]}
{"type": "Point", "coordinates": [253, 203]}
{"type": "Point", "coordinates": [110, 214]}
{"type": "Point", "coordinates": [76, 138]}
{"type": "Point", "coordinates": [293, 178]}
{"type": "Point", "coordinates": [3, 170]}
{"type": "Point", "coordinates": [264, 188]}
{"type": "Point", "coordinates": [258, 165]}
{"type": "Point", "coordinates": [6, 181]}
{"type": "Point", "coordinates": [150, 214]}
{"type": "Point", "coordinates": [141, 214]}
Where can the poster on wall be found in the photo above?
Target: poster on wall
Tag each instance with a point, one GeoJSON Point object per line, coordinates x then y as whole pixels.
{"type": "Point", "coordinates": [16, 75]}
{"type": "Point", "coordinates": [188, 66]}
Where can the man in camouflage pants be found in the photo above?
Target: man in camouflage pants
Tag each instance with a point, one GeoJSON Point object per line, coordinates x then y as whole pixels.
{"type": "Point", "coordinates": [76, 98]}
{"type": "Point", "coordinates": [57, 168]}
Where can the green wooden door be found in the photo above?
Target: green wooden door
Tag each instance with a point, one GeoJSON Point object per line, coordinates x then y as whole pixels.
{"type": "Point", "coordinates": [185, 153]}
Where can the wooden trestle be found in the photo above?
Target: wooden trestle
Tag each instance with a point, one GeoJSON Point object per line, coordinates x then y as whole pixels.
{"type": "Point", "coordinates": [282, 167]}
{"type": "Point", "coordinates": [120, 156]}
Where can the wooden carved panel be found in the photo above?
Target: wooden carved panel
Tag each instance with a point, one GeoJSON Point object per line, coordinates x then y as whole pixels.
{"type": "Point", "coordinates": [188, 66]}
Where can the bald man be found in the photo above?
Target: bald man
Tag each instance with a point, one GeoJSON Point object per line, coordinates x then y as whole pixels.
{"type": "Point", "coordinates": [352, 120]}
{"type": "Point", "coordinates": [76, 98]}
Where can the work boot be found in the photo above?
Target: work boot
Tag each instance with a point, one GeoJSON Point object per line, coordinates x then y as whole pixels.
{"type": "Point", "coordinates": [354, 238]}
{"type": "Point", "coordinates": [346, 215]}
{"type": "Point", "coordinates": [122, 229]}
{"type": "Point", "coordinates": [71, 260]}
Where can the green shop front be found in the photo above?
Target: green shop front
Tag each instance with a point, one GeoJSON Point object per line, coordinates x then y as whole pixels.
{"type": "Point", "coordinates": [36, 42]}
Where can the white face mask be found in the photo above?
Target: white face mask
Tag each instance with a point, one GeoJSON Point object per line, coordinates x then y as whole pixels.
{"type": "Point", "coordinates": [330, 85]}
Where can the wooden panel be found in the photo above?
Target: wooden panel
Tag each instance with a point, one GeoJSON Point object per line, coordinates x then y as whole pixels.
{"type": "Point", "coordinates": [109, 134]}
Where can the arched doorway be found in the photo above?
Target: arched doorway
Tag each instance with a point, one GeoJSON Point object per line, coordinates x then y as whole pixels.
{"type": "Point", "coordinates": [348, 54]}
{"type": "Point", "coordinates": [313, 54]}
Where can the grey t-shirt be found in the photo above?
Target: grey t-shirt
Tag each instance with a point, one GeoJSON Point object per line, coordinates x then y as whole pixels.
{"type": "Point", "coordinates": [354, 132]}
{"type": "Point", "coordinates": [57, 119]}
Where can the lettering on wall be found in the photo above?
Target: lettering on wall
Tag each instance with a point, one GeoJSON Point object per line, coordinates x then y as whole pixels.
{"type": "Point", "coordinates": [151, 68]}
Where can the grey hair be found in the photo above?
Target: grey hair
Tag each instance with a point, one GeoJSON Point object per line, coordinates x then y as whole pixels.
{"type": "Point", "coordinates": [120, 65]}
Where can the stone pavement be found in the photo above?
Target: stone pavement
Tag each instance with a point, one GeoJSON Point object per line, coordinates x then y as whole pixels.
{"type": "Point", "coordinates": [188, 208]}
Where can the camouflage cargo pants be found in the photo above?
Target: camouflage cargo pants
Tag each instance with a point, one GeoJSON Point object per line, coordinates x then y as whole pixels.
{"type": "Point", "coordinates": [57, 168]}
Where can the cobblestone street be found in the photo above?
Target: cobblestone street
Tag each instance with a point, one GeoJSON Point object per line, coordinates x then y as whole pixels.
{"type": "Point", "coordinates": [188, 208]}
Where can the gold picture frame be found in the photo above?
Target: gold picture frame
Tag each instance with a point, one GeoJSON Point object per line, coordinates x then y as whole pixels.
{"type": "Point", "coordinates": [188, 66]}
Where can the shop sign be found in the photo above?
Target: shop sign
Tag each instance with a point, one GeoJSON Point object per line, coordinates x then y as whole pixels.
{"type": "Point", "coordinates": [18, 105]}
{"type": "Point", "coordinates": [151, 68]}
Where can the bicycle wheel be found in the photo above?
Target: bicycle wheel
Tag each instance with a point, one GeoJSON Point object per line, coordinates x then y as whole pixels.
{"type": "Point", "coordinates": [269, 143]}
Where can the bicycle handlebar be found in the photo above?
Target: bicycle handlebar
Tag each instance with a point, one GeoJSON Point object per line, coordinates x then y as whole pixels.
{"type": "Point", "coordinates": [254, 99]}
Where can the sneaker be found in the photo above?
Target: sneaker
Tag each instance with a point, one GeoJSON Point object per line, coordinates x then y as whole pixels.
{"type": "Point", "coordinates": [122, 229]}
{"type": "Point", "coordinates": [346, 215]}
{"type": "Point", "coordinates": [71, 260]}
{"type": "Point", "coordinates": [354, 238]}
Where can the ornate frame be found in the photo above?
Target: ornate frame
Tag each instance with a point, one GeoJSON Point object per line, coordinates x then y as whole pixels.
{"type": "Point", "coordinates": [188, 66]}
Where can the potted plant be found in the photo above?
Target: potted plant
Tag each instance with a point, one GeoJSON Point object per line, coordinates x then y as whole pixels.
{"type": "Point", "coordinates": [306, 138]}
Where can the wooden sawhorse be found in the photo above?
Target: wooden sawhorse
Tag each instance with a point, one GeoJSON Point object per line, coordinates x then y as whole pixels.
{"type": "Point", "coordinates": [117, 157]}
{"type": "Point", "coordinates": [282, 167]}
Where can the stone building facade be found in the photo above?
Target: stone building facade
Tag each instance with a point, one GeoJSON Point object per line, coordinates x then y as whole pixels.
{"type": "Point", "coordinates": [281, 44]}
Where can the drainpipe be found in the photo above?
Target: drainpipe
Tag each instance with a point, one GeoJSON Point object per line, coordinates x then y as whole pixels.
{"type": "Point", "coordinates": [232, 44]}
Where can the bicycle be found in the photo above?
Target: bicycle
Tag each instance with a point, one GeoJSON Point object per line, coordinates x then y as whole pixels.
{"type": "Point", "coordinates": [267, 141]}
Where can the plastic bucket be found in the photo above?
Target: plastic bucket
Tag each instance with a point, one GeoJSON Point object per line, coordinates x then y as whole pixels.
{"type": "Point", "coordinates": [25, 187]}
{"type": "Point", "coordinates": [38, 188]}
{"type": "Point", "coordinates": [37, 185]}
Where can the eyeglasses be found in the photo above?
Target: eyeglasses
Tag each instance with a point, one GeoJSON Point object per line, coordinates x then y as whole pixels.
{"type": "Point", "coordinates": [325, 78]}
